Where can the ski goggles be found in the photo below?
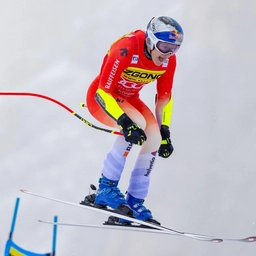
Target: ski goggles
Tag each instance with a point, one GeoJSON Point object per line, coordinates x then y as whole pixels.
{"type": "Point", "coordinates": [166, 48]}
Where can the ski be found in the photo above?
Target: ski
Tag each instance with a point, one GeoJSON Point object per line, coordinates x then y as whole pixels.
{"type": "Point", "coordinates": [139, 222]}
{"type": "Point", "coordinates": [139, 228]}
{"type": "Point", "coordinates": [115, 227]}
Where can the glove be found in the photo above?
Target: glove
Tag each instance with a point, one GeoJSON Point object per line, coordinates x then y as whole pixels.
{"type": "Point", "coordinates": [132, 132]}
{"type": "Point", "coordinates": [166, 147]}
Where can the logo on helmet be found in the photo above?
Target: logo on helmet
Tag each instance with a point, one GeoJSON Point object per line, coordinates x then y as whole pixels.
{"type": "Point", "coordinates": [176, 35]}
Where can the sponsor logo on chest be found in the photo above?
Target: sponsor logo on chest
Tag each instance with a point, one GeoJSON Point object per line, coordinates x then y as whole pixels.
{"type": "Point", "coordinates": [141, 75]}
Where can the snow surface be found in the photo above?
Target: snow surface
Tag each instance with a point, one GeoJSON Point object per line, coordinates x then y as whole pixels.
{"type": "Point", "coordinates": [208, 186]}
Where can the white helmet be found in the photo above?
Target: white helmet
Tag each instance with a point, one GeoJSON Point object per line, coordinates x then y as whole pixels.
{"type": "Point", "coordinates": [164, 34]}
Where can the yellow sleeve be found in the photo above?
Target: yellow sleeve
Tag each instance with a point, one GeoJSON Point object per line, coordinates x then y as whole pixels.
{"type": "Point", "coordinates": [167, 113]}
{"type": "Point", "coordinates": [108, 104]}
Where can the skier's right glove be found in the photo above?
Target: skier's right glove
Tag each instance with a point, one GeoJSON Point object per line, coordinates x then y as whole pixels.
{"type": "Point", "coordinates": [132, 132]}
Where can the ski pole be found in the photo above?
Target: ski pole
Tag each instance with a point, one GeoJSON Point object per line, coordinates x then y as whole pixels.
{"type": "Point", "coordinates": [62, 105]}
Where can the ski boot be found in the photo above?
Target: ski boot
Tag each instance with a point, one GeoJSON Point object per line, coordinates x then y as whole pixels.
{"type": "Point", "coordinates": [108, 194]}
{"type": "Point", "coordinates": [140, 212]}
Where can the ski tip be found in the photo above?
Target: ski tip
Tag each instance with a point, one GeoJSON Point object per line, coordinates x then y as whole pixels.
{"type": "Point", "coordinates": [24, 191]}
{"type": "Point", "coordinates": [47, 222]}
{"type": "Point", "coordinates": [217, 240]}
{"type": "Point", "coordinates": [250, 239]}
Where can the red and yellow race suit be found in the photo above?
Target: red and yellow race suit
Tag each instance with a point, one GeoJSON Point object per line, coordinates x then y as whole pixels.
{"type": "Point", "coordinates": [125, 71]}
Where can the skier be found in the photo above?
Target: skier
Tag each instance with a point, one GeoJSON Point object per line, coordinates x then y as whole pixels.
{"type": "Point", "coordinates": [133, 61]}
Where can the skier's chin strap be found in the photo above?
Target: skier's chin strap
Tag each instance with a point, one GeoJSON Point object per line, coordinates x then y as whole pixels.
{"type": "Point", "coordinates": [147, 54]}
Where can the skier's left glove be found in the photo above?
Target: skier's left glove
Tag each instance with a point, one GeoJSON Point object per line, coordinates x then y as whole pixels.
{"type": "Point", "coordinates": [166, 147]}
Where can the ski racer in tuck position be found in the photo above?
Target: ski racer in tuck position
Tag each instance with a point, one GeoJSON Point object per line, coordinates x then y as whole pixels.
{"type": "Point", "coordinates": [133, 61]}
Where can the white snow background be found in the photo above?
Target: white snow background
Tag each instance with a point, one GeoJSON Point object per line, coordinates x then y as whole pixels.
{"type": "Point", "coordinates": [207, 186]}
